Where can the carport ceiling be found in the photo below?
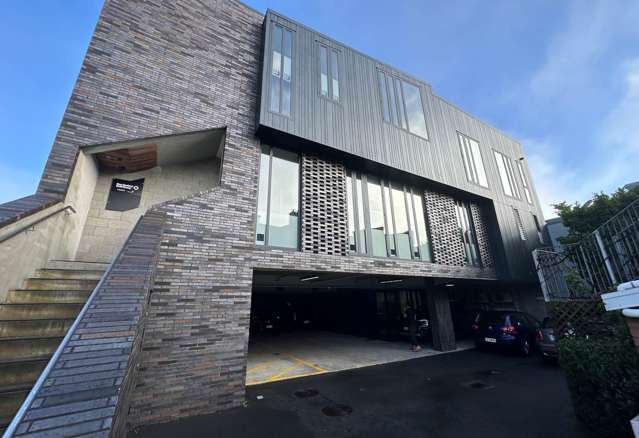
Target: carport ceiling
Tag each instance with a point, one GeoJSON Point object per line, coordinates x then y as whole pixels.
{"type": "Point", "coordinates": [332, 280]}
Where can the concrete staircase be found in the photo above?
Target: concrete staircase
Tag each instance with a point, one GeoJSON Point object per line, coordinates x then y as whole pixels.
{"type": "Point", "coordinates": [33, 321]}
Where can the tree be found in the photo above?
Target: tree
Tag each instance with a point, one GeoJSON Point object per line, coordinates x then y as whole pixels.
{"type": "Point", "coordinates": [583, 219]}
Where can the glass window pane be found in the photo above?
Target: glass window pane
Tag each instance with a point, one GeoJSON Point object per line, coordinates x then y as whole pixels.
{"type": "Point", "coordinates": [478, 163]}
{"type": "Point", "coordinates": [351, 214]}
{"type": "Point", "coordinates": [361, 224]}
{"type": "Point", "coordinates": [286, 72]}
{"type": "Point", "coordinates": [524, 181]}
{"type": "Point", "coordinates": [465, 157]}
{"type": "Point", "coordinates": [390, 231]}
{"type": "Point", "coordinates": [401, 224]}
{"type": "Point", "coordinates": [414, 110]}
{"type": "Point", "coordinates": [381, 78]}
{"type": "Point", "coordinates": [323, 71]}
{"type": "Point", "coordinates": [284, 202]}
{"type": "Point", "coordinates": [376, 213]}
{"type": "Point", "coordinates": [503, 174]}
{"type": "Point", "coordinates": [400, 104]}
{"type": "Point", "coordinates": [335, 74]}
{"type": "Point", "coordinates": [262, 197]}
{"type": "Point", "coordinates": [392, 101]}
{"type": "Point", "coordinates": [411, 225]}
{"type": "Point", "coordinates": [424, 247]}
{"type": "Point", "coordinates": [276, 68]}
{"type": "Point", "coordinates": [511, 177]}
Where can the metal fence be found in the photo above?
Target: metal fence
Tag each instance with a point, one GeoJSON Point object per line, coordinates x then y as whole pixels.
{"type": "Point", "coordinates": [605, 258]}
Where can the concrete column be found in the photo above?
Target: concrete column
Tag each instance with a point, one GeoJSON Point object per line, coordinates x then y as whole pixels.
{"type": "Point", "coordinates": [441, 320]}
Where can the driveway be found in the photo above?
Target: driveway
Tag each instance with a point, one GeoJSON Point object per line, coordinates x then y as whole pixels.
{"type": "Point", "coordinates": [464, 394]}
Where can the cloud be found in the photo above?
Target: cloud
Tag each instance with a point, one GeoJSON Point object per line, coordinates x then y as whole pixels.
{"type": "Point", "coordinates": [16, 183]}
{"type": "Point", "coordinates": [612, 163]}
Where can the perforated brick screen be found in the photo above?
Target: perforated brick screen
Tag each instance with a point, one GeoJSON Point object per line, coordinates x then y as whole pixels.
{"type": "Point", "coordinates": [448, 248]}
{"type": "Point", "coordinates": [481, 231]}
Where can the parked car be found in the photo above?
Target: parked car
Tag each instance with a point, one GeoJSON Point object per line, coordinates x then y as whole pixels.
{"type": "Point", "coordinates": [506, 329]}
{"type": "Point", "coordinates": [547, 342]}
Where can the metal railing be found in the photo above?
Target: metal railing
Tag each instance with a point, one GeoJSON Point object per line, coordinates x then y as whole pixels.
{"type": "Point", "coordinates": [9, 432]}
{"type": "Point", "coordinates": [30, 225]}
{"type": "Point", "coordinates": [596, 264]}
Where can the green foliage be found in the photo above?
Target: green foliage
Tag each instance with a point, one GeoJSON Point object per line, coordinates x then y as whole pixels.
{"type": "Point", "coordinates": [603, 376]}
{"type": "Point", "coordinates": [583, 219]}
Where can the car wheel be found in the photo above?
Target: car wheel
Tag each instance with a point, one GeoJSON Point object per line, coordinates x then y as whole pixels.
{"type": "Point", "coordinates": [525, 347]}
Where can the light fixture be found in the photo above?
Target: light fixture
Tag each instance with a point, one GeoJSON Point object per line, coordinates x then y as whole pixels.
{"type": "Point", "coordinates": [390, 281]}
{"type": "Point", "coordinates": [450, 285]}
{"type": "Point", "coordinates": [309, 278]}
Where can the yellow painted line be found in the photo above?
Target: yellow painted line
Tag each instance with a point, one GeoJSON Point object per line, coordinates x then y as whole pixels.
{"type": "Point", "coordinates": [279, 375]}
{"type": "Point", "coordinates": [259, 382]}
{"type": "Point", "coordinates": [308, 364]}
{"type": "Point", "coordinates": [260, 366]}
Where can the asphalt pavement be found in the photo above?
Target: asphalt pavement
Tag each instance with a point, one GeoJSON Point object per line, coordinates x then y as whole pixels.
{"type": "Point", "coordinates": [462, 394]}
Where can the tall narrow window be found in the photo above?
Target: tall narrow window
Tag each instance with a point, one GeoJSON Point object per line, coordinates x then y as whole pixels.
{"type": "Point", "coordinates": [402, 104]}
{"type": "Point", "coordinates": [473, 162]}
{"type": "Point", "coordinates": [323, 70]}
{"type": "Point", "coordinates": [402, 230]}
{"type": "Point", "coordinates": [507, 175]}
{"type": "Point", "coordinates": [376, 212]}
{"type": "Point", "coordinates": [520, 224]}
{"type": "Point", "coordinates": [278, 199]}
{"type": "Point", "coordinates": [422, 233]}
{"type": "Point", "coordinates": [361, 222]}
{"type": "Point", "coordinates": [390, 229]}
{"type": "Point", "coordinates": [329, 72]}
{"type": "Point", "coordinates": [524, 181]}
{"type": "Point", "coordinates": [467, 232]}
{"type": "Point", "coordinates": [351, 214]}
{"type": "Point", "coordinates": [281, 70]}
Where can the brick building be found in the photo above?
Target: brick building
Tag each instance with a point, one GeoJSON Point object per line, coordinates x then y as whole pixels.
{"type": "Point", "coordinates": [261, 161]}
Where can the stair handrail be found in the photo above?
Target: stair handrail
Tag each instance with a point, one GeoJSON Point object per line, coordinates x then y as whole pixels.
{"type": "Point", "coordinates": [8, 433]}
{"type": "Point", "coordinates": [25, 227]}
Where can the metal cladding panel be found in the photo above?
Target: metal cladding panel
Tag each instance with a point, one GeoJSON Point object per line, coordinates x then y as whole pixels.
{"type": "Point", "coordinates": [323, 198]}
{"type": "Point", "coordinates": [355, 124]}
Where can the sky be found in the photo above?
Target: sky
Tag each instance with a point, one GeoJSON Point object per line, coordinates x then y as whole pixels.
{"type": "Point", "coordinates": [561, 77]}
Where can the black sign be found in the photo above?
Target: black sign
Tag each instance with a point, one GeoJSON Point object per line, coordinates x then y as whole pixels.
{"type": "Point", "coordinates": [125, 195]}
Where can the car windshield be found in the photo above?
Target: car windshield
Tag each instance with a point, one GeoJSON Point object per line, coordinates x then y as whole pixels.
{"type": "Point", "coordinates": [494, 318]}
{"type": "Point", "coordinates": [547, 323]}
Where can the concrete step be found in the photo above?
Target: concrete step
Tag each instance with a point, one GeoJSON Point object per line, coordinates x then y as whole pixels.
{"type": "Point", "coordinates": [17, 312]}
{"type": "Point", "coordinates": [27, 348]}
{"type": "Point", "coordinates": [74, 274]}
{"type": "Point", "coordinates": [58, 284]}
{"type": "Point", "coordinates": [71, 264]}
{"type": "Point", "coordinates": [27, 296]}
{"type": "Point", "coordinates": [21, 374]}
{"type": "Point", "coordinates": [9, 404]}
{"type": "Point", "coordinates": [35, 328]}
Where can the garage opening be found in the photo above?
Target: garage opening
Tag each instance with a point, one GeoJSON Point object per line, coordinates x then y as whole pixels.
{"type": "Point", "coordinates": [305, 323]}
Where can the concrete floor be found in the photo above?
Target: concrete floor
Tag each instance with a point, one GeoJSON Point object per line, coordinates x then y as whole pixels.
{"type": "Point", "coordinates": [281, 356]}
{"type": "Point", "coordinates": [461, 395]}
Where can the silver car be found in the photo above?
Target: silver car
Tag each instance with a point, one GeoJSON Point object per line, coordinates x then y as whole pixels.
{"type": "Point", "coordinates": [547, 342]}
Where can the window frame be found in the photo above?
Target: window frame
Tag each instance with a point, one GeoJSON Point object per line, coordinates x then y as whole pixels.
{"type": "Point", "coordinates": [284, 28]}
{"type": "Point", "coordinates": [460, 137]}
{"type": "Point", "coordinates": [330, 49]}
{"type": "Point", "coordinates": [385, 101]}
{"type": "Point", "coordinates": [265, 244]}
{"type": "Point", "coordinates": [524, 182]}
{"type": "Point", "coordinates": [464, 218]}
{"type": "Point", "coordinates": [511, 180]}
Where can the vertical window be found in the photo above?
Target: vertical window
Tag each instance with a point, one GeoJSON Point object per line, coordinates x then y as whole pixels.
{"type": "Point", "coordinates": [390, 228]}
{"type": "Point", "coordinates": [473, 162]}
{"type": "Point", "coordinates": [361, 222]}
{"type": "Point", "coordinates": [540, 231]}
{"type": "Point", "coordinates": [351, 214]}
{"type": "Point", "coordinates": [376, 212]}
{"type": "Point", "coordinates": [507, 175]}
{"type": "Point", "coordinates": [422, 233]}
{"type": "Point", "coordinates": [281, 70]}
{"type": "Point", "coordinates": [402, 104]}
{"type": "Point", "coordinates": [402, 230]}
{"type": "Point", "coordinates": [520, 224]}
{"type": "Point", "coordinates": [524, 181]}
{"type": "Point", "coordinates": [467, 232]}
{"type": "Point", "coordinates": [335, 75]}
{"type": "Point", "coordinates": [329, 73]}
{"type": "Point", "coordinates": [278, 199]}
{"type": "Point", "coordinates": [323, 70]}
{"type": "Point", "coordinates": [414, 110]}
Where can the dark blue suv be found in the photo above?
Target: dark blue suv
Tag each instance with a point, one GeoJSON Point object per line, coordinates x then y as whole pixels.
{"type": "Point", "coordinates": [507, 329]}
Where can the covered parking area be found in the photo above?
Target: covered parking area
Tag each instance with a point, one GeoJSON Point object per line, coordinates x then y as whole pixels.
{"type": "Point", "coordinates": [307, 323]}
